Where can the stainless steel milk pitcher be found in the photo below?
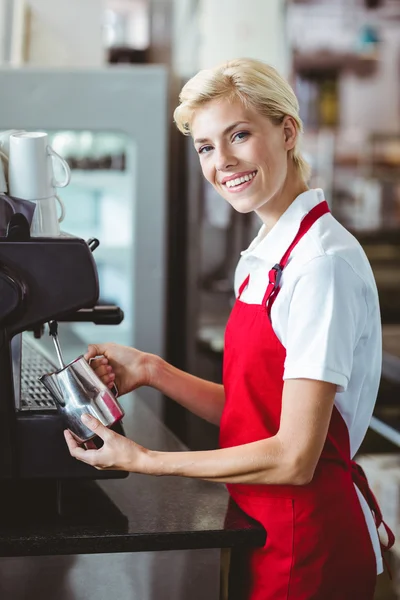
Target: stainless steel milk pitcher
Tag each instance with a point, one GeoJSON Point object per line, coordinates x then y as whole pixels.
{"type": "Point", "coordinates": [77, 390]}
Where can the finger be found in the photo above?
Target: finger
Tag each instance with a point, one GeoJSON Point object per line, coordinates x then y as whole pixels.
{"type": "Point", "coordinates": [98, 363]}
{"type": "Point", "coordinates": [108, 379]}
{"type": "Point", "coordinates": [98, 428]}
{"type": "Point", "coordinates": [71, 441]}
{"type": "Point", "coordinates": [103, 370]}
{"type": "Point", "coordinates": [95, 350]}
{"type": "Point", "coordinates": [87, 456]}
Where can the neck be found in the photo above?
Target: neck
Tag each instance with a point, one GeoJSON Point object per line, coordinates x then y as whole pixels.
{"type": "Point", "coordinates": [273, 209]}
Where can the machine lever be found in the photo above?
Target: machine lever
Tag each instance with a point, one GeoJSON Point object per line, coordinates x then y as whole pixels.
{"type": "Point", "coordinates": [100, 315]}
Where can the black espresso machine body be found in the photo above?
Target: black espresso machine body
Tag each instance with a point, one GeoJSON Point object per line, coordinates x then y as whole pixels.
{"type": "Point", "coordinates": [41, 279]}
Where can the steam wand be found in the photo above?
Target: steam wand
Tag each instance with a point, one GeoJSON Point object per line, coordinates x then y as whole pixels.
{"type": "Point", "coordinates": [53, 331]}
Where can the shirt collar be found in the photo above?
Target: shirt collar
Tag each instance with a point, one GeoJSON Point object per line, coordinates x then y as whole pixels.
{"type": "Point", "coordinates": [273, 244]}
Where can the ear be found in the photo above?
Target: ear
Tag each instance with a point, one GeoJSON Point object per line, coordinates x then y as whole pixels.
{"type": "Point", "coordinates": [289, 132]}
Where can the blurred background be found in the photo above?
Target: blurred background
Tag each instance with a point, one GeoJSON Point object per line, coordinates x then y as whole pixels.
{"type": "Point", "coordinates": [342, 58]}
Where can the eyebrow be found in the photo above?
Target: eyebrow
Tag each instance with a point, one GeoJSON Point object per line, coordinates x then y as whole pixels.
{"type": "Point", "coordinates": [225, 132]}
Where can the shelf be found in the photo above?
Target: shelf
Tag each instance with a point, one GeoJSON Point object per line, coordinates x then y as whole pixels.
{"type": "Point", "coordinates": [354, 160]}
{"type": "Point", "coordinates": [321, 61]}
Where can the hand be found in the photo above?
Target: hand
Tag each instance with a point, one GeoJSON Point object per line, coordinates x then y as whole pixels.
{"type": "Point", "coordinates": [117, 453]}
{"type": "Point", "coordinates": [127, 367]}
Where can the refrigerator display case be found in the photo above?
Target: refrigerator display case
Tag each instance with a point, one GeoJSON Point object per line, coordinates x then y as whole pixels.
{"type": "Point", "coordinates": [118, 196]}
{"type": "Point", "coordinates": [99, 204]}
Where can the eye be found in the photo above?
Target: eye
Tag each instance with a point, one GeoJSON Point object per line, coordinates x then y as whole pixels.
{"type": "Point", "coordinates": [204, 149]}
{"type": "Point", "coordinates": [240, 135]}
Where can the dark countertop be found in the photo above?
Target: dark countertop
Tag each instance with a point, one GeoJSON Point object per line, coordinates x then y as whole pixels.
{"type": "Point", "coordinates": [139, 513]}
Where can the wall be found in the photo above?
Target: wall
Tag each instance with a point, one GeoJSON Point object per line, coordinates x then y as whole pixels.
{"type": "Point", "coordinates": [66, 33]}
{"type": "Point", "coordinates": [206, 32]}
{"type": "Point", "coordinates": [234, 28]}
{"type": "Point", "coordinates": [3, 24]}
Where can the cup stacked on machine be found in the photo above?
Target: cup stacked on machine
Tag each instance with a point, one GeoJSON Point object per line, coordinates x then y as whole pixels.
{"type": "Point", "coordinates": [29, 164]}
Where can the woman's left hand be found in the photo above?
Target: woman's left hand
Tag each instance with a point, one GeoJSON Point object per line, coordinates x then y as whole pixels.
{"type": "Point", "coordinates": [117, 453]}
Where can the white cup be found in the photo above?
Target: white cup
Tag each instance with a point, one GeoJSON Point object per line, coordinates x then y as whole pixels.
{"type": "Point", "coordinates": [4, 152]}
{"type": "Point", "coordinates": [5, 140]}
{"type": "Point", "coordinates": [30, 167]}
{"type": "Point", "coordinates": [45, 221]}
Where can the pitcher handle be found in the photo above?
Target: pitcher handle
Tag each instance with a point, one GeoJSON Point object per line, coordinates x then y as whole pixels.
{"type": "Point", "coordinates": [114, 388]}
{"type": "Point", "coordinates": [61, 203]}
{"type": "Point", "coordinates": [65, 166]}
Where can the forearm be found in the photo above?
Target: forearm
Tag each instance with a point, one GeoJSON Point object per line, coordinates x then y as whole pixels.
{"type": "Point", "coordinates": [263, 462]}
{"type": "Point", "coordinates": [204, 398]}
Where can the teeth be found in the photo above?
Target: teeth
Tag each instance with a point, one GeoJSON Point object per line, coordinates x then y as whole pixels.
{"type": "Point", "coordinates": [234, 182]}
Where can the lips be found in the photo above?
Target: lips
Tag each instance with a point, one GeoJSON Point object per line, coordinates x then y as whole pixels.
{"type": "Point", "coordinates": [239, 180]}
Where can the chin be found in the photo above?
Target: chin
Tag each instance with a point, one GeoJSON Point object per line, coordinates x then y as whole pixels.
{"type": "Point", "coordinates": [244, 205]}
{"type": "Point", "coordinates": [244, 210]}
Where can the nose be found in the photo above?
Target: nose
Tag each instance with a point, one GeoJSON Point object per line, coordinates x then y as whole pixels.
{"type": "Point", "coordinates": [224, 159]}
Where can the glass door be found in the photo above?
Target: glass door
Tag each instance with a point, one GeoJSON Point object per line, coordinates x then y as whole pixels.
{"type": "Point", "coordinates": [99, 203]}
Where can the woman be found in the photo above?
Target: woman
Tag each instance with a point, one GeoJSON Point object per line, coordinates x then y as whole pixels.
{"type": "Point", "coordinates": [302, 353]}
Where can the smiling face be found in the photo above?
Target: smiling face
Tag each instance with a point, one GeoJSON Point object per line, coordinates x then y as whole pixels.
{"type": "Point", "coordinates": [242, 153]}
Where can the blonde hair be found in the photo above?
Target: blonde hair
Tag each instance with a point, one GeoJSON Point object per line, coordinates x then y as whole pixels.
{"type": "Point", "coordinates": [256, 85]}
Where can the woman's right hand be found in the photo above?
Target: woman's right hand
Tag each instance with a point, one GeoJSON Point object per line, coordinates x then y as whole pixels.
{"type": "Point", "coordinates": [123, 366]}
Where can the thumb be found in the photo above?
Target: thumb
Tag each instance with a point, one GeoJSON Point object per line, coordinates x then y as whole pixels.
{"type": "Point", "coordinates": [94, 425]}
{"type": "Point", "coordinates": [95, 350]}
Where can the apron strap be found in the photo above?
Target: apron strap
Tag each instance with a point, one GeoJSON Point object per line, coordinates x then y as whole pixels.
{"type": "Point", "coordinates": [275, 273]}
{"type": "Point", "coordinates": [244, 285]}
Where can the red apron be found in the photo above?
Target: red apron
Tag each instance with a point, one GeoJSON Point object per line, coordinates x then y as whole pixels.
{"type": "Point", "coordinates": [318, 545]}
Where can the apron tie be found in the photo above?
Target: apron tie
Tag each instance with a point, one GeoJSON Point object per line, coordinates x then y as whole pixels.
{"type": "Point", "coordinates": [360, 479]}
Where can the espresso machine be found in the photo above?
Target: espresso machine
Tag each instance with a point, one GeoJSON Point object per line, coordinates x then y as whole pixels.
{"type": "Point", "coordinates": [41, 280]}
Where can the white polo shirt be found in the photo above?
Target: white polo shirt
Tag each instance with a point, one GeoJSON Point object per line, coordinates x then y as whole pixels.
{"type": "Point", "coordinates": [326, 314]}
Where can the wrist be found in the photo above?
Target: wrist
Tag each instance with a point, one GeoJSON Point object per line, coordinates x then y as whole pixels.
{"type": "Point", "coordinates": [151, 462]}
{"type": "Point", "coordinates": [152, 367]}
{"type": "Point", "coordinates": [139, 460]}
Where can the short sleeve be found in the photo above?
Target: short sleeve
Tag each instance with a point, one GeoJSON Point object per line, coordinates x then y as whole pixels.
{"type": "Point", "coordinates": [327, 315]}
